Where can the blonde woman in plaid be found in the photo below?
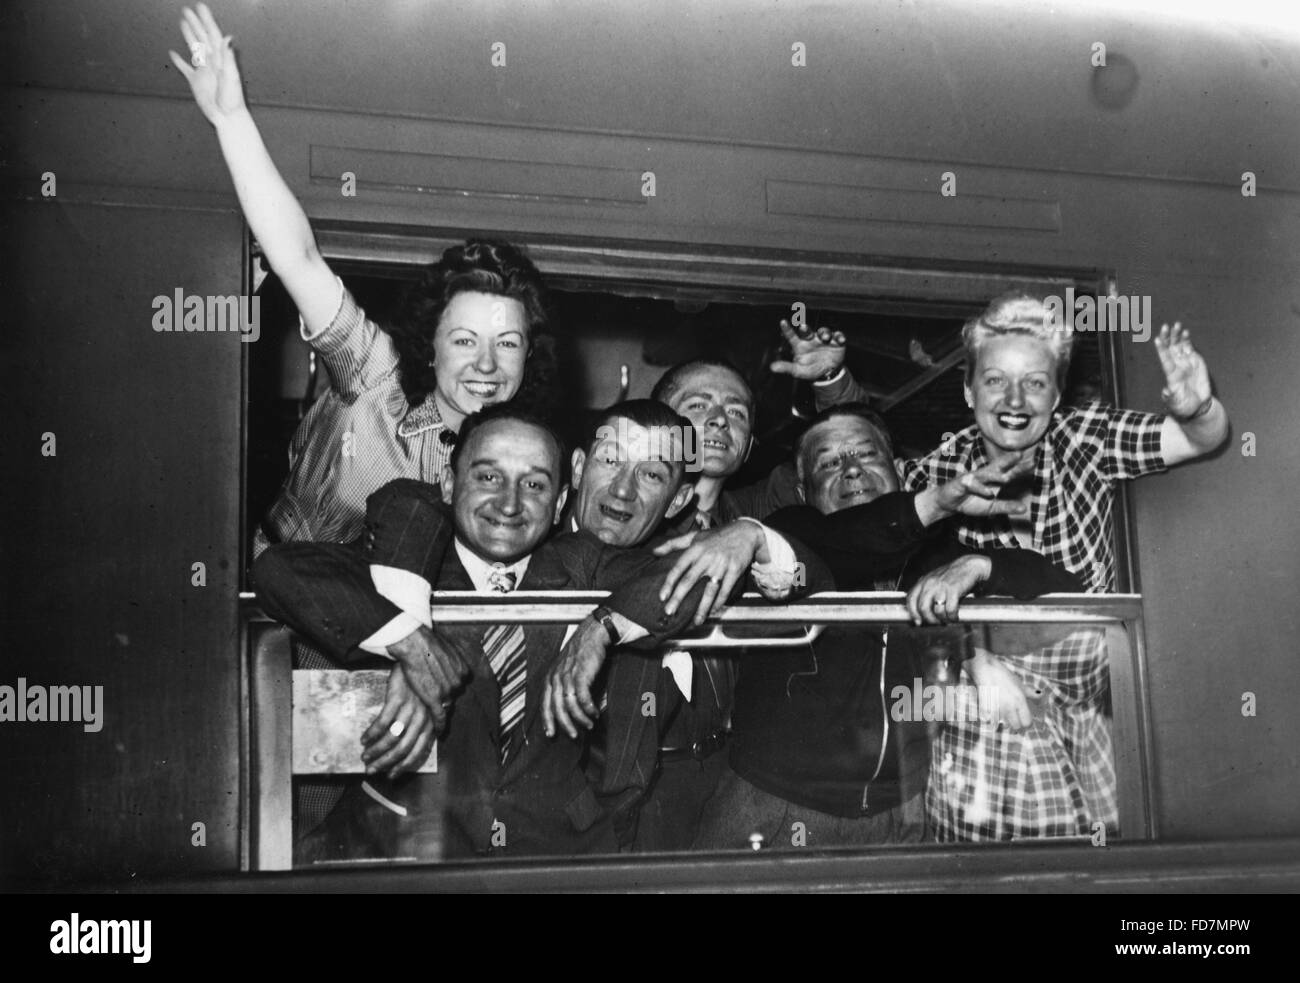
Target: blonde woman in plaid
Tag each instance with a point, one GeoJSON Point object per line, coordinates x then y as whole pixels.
{"type": "Point", "coordinates": [1054, 774]}
{"type": "Point", "coordinates": [1050, 773]}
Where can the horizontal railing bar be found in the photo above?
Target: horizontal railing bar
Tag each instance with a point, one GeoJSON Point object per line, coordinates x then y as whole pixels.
{"type": "Point", "coordinates": [879, 607]}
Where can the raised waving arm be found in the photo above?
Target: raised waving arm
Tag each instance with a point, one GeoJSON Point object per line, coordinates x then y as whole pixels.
{"type": "Point", "coordinates": [814, 353]}
{"type": "Point", "coordinates": [276, 218]}
{"type": "Point", "coordinates": [1197, 422]}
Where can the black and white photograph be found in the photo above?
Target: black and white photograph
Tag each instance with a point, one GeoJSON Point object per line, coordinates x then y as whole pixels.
{"type": "Point", "coordinates": [561, 446]}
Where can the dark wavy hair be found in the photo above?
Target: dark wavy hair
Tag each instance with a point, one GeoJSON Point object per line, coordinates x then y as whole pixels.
{"type": "Point", "coordinates": [483, 266]}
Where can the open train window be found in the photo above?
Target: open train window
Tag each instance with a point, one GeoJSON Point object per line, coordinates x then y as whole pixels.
{"type": "Point", "coordinates": [625, 313]}
{"type": "Point", "coordinates": [623, 316]}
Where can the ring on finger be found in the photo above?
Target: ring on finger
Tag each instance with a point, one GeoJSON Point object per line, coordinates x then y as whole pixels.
{"type": "Point", "coordinates": [397, 728]}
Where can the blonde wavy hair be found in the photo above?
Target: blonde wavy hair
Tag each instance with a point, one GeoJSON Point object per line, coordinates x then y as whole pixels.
{"type": "Point", "coordinates": [1020, 313]}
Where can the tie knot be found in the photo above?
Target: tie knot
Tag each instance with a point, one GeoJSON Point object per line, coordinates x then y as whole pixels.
{"type": "Point", "coordinates": [500, 579]}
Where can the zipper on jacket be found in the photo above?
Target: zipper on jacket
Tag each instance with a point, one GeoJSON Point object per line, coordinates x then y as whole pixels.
{"type": "Point", "coordinates": [884, 717]}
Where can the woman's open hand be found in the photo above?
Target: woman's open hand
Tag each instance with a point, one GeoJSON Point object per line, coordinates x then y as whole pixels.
{"type": "Point", "coordinates": [1187, 378]}
{"type": "Point", "coordinates": [211, 69]}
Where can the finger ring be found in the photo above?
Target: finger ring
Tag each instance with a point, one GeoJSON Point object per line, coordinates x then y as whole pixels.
{"type": "Point", "coordinates": [198, 52]}
{"type": "Point", "coordinates": [939, 602]}
{"type": "Point", "coordinates": [396, 728]}
{"type": "Point", "coordinates": [716, 580]}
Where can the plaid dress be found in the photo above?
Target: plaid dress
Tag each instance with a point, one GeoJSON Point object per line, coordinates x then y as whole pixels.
{"type": "Point", "coordinates": [1056, 778]}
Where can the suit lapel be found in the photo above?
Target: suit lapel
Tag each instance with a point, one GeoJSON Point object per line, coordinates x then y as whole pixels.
{"type": "Point", "coordinates": [483, 685]}
{"type": "Point", "coordinates": [545, 572]}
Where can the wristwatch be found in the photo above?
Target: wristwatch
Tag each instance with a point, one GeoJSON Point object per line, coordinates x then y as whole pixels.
{"type": "Point", "coordinates": [605, 616]}
{"type": "Point", "coordinates": [1199, 412]}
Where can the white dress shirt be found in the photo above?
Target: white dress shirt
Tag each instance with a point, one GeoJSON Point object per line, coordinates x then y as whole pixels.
{"type": "Point", "coordinates": [414, 595]}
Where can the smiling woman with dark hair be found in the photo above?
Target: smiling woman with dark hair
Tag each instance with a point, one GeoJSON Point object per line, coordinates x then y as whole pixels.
{"type": "Point", "coordinates": [493, 269]}
{"type": "Point", "coordinates": [466, 338]}
{"type": "Point", "coordinates": [467, 332]}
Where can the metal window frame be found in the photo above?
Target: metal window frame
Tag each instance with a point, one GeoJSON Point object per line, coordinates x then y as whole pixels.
{"type": "Point", "coordinates": [693, 271]}
{"type": "Point", "coordinates": [878, 284]}
{"type": "Point", "coordinates": [686, 271]}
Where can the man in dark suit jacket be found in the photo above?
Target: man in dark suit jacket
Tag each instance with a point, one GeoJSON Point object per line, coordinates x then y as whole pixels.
{"type": "Point", "coordinates": [635, 472]}
{"type": "Point", "coordinates": [508, 790]}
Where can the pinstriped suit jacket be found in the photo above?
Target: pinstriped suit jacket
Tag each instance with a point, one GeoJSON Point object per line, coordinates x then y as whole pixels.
{"type": "Point", "coordinates": [541, 793]}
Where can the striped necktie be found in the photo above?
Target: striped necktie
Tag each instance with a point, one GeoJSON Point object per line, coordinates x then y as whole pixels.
{"type": "Point", "coordinates": [503, 647]}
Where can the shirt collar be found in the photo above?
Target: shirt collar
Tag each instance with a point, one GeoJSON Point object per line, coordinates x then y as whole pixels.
{"type": "Point", "coordinates": [713, 516]}
{"type": "Point", "coordinates": [478, 568]}
{"type": "Point", "coordinates": [421, 418]}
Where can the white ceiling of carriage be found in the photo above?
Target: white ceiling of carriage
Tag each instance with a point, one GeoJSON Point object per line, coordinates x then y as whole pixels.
{"type": "Point", "coordinates": [987, 82]}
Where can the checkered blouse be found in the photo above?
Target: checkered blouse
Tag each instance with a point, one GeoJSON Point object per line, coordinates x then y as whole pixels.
{"type": "Point", "coordinates": [1085, 451]}
{"type": "Point", "coordinates": [1057, 778]}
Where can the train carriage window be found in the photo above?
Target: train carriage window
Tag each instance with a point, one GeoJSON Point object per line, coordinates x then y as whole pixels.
{"type": "Point", "coordinates": [623, 314]}
{"type": "Point", "coordinates": [942, 763]}
{"type": "Point", "coordinates": [617, 337]}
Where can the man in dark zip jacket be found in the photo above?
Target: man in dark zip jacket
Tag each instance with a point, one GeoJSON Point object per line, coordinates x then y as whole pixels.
{"type": "Point", "coordinates": [816, 758]}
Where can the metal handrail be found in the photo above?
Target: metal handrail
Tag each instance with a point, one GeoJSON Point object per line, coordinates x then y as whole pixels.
{"type": "Point", "coordinates": [1108, 612]}
{"type": "Point", "coordinates": [830, 607]}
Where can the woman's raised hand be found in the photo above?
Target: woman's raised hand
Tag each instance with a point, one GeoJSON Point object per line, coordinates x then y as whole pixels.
{"type": "Point", "coordinates": [211, 69]}
{"type": "Point", "coordinates": [273, 213]}
{"type": "Point", "coordinates": [1187, 379]}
